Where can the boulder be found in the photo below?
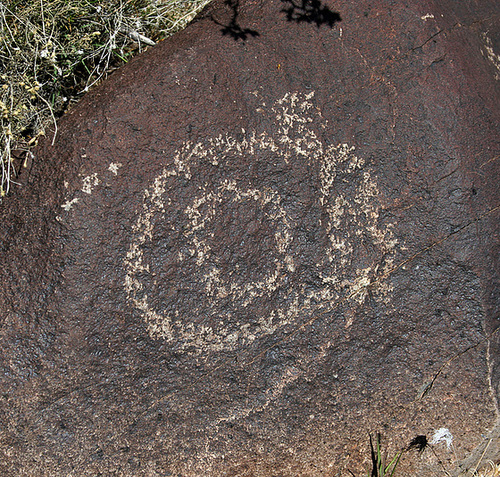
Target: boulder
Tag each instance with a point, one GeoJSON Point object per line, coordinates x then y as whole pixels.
{"type": "Point", "coordinates": [258, 243]}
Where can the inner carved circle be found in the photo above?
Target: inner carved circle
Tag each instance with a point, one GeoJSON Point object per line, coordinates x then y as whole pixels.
{"type": "Point", "coordinates": [211, 263]}
{"type": "Point", "coordinates": [240, 242]}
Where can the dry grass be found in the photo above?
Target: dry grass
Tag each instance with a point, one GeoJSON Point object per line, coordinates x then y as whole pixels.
{"type": "Point", "coordinates": [491, 470]}
{"type": "Point", "coordinates": [52, 51]}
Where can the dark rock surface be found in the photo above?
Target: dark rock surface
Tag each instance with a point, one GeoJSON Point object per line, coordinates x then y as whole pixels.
{"type": "Point", "coordinates": [258, 242]}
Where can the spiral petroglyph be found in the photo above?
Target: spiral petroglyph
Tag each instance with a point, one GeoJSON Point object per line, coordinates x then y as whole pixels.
{"type": "Point", "coordinates": [277, 225]}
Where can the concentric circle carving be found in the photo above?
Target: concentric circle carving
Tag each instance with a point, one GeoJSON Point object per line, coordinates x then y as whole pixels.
{"type": "Point", "coordinates": [242, 235]}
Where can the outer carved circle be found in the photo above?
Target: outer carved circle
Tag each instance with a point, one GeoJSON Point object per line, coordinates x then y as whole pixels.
{"type": "Point", "coordinates": [223, 255]}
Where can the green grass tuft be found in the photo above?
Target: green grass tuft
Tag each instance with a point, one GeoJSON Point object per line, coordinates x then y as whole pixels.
{"type": "Point", "coordinates": [380, 467]}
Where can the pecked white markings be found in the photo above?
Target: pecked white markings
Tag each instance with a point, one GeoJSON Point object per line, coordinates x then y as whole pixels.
{"type": "Point", "coordinates": [89, 182]}
{"type": "Point", "coordinates": [490, 54]}
{"type": "Point", "coordinates": [114, 166]}
{"type": "Point", "coordinates": [295, 138]}
{"type": "Point", "coordinates": [67, 206]}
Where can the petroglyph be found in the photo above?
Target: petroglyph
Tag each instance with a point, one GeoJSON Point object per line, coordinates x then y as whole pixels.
{"type": "Point", "coordinates": [490, 54]}
{"type": "Point", "coordinates": [89, 183]}
{"type": "Point", "coordinates": [69, 204]}
{"type": "Point", "coordinates": [218, 260]}
{"type": "Point", "coordinates": [114, 166]}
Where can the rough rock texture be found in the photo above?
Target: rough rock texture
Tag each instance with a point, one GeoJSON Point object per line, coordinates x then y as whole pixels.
{"type": "Point", "coordinates": [258, 242]}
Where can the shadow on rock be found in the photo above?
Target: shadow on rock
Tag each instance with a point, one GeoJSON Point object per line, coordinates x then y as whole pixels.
{"type": "Point", "coordinates": [310, 11]}
{"type": "Point", "coordinates": [232, 28]}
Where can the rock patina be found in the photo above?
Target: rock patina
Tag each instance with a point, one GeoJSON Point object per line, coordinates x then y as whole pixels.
{"type": "Point", "coordinates": [258, 242]}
